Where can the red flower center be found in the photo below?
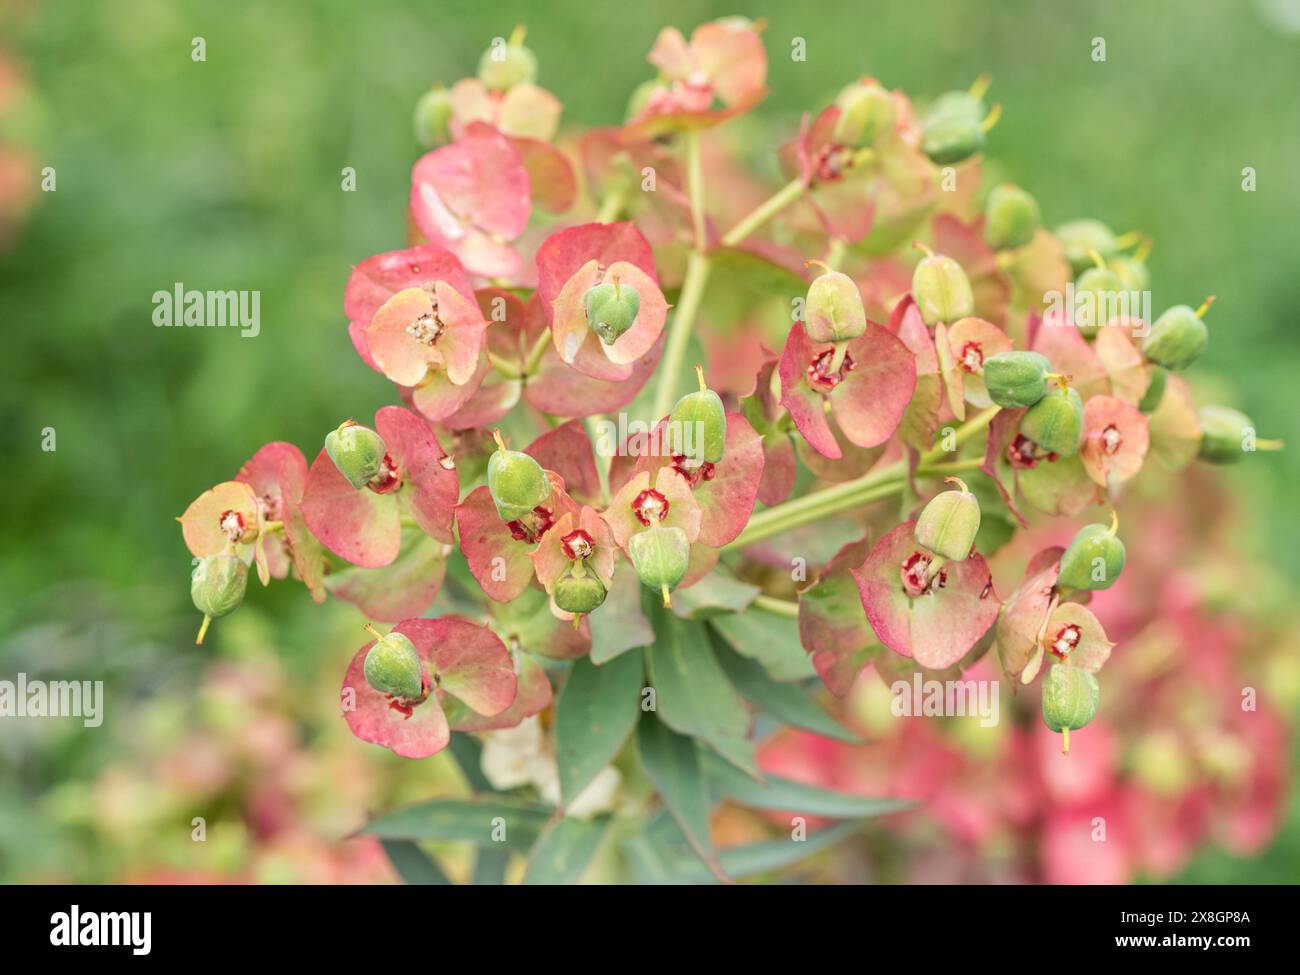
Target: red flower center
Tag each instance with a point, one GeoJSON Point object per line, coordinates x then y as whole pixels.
{"type": "Point", "coordinates": [650, 507]}
{"type": "Point", "coordinates": [1067, 638]}
{"type": "Point", "coordinates": [1111, 439]}
{"type": "Point", "coordinates": [693, 475]}
{"type": "Point", "coordinates": [270, 507]}
{"type": "Point", "coordinates": [1023, 453]}
{"type": "Point", "coordinates": [916, 576]}
{"type": "Point", "coordinates": [232, 525]}
{"type": "Point", "coordinates": [831, 162]}
{"type": "Point", "coordinates": [388, 479]}
{"type": "Point", "coordinates": [532, 527]}
{"type": "Point", "coordinates": [577, 545]}
{"type": "Point", "coordinates": [819, 371]}
{"type": "Point", "coordinates": [405, 705]}
{"type": "Point", "coordinates": [972, 358]}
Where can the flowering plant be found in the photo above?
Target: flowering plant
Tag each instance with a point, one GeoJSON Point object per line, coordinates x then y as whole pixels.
{"type": "Point", "coordinates": [642, 391]}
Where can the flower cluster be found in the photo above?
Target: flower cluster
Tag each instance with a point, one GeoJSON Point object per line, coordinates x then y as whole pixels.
{"type": "Point", "coordinates": [878, 327]}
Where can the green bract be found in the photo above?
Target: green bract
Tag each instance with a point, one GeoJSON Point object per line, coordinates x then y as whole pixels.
{"type": "Point", "coordinates": [949, 522]}
{"type": "Point", "coordinates": [1055, 422]}
{"type": "Point", "coordinates": [1016, 379]}
{"type": "Point", "coordinates": [393, 667]}
{"type": "Point", "coordinates": [660, 556]}
{"type": "Point", "coordinates": [699, 421]}
{"type": "Point", "coordinates": [578, 590]}
{"type": "Point", "coordinates": [516, 481]}
{"type": "Point", "coordinates": [866, 113]}
{"type": "Point", "coordinates": [1177, 338]}
{"type": "Point", "coordinates": [357, 451]}
{"type": "Point", "coordinates": [1069, 699]}
{"type": "Point", "coordinates": [611, 309]}
{"type": "Point", "coordinates": [1011, 217]}
{"type": "Point", "coordinates": [953, 128]}
{"type": "Point", "coordinates": [1094, 558]}
{"type": "Point", "coordinates": [432, 115]}
{"type": "Point", "coordinates": [942, 290]}
{"type": "Point", "coordinates": [506, 64]}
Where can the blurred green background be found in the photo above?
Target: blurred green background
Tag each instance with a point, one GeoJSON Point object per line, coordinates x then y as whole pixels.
{"type": "Point", "coordinates": [226, 175]}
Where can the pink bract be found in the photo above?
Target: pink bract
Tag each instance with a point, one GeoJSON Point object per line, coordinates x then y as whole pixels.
{"type": "Point", "coordinates": [277, 473]}
{"type": "Point", "coordinates": [471, 664]}
{"type": "Point", "coordinates": [500, 554]}
{"type": "Point", "coordinates": [937, 628]}
{"type": "Point", "coordinates": [364, 527]}
{"type": "Point", "coordinates": [472, 197]}
{"type": "Point", "coordinates": [868, 394]}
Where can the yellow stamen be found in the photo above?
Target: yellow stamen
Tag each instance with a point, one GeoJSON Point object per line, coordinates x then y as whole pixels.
{"type": "Point", "coordinates": [981, 85]}
{"type": "Point", "coordinates": [928, 252]}
{"type": "Point", "coordinates": [1065, 741]}
{"type": "Point", "coordinates": [496, 435]}
{"type": "Point", "coordinates": [203, 630]}
{"type": "Point", "coordinates": [668, 599]}
{"type": "Point", "coordinates": [990, 120]}
{"type": "Point", "coordinates": [699, 374]}
{"type": "Point", "coordinates": [1205, 306]}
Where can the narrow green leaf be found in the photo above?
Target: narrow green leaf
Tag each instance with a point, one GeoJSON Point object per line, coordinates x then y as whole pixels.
{"type": "Point", "coordinates": [692, 694]}
{"type": "Point", "coordinates": [594, 716]}
{"type": "Point", "coordinates": [771, 640]}
{"type": "Point", "coordinates": [565, 850]}
{"type": "Point", "coordinates": [787, 702]}
{"type": "Point", "coordinates": [412, 864]}
{"type": "Point", "coordinates": [490, 865]}
{"type": "Point", "coordinates": [712, 595]}
{"type": "Point", "coordinates": [660, 854]}
{"type": "Point", "coordinates": [467, 753]}
{"type": "Point", "coordinates": [672, 764]}
{"type": "Point", "coordinates": [790, 796]}
{"type": "Point", "coordinates": [620, 625]}
{"type": "Point", "coordinates": [515, 823]}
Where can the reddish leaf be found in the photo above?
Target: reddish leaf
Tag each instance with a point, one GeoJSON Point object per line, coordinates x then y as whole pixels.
{"type": "Point", "coordinates": [1021, 622]}
{"type": "Point", "coordinates": [1115, 440]}
{"type": "Point", "coordinates": [567, 450]}
{"type": "Point", "coordinates": [832, 626]}
{"type": "Point", "coordinates": [404, 588]}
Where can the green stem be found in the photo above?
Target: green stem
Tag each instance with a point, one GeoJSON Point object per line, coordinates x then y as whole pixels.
{"type": "Point", "coordinates": [764, 212]}
{"type": "Point", "coordinates": [611, 206]}
{"type": "Point", "coordinates": [777, 607]}
{"type": "Point", "coordinates": [835, 256]}
{"type": "Point", "coordinates": [695, 183]}
{"type": "Point", "coordinates": [507, 369]}
{"type": "Point", "coordinates": [872, 486]}
{"type": "Point", "coordinates": [534, 357]}
{"type": "Point", "coordinates": [679, 334]}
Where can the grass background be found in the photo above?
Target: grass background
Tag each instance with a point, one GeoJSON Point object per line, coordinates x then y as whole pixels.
{"type": "Point", "coordinates": [226, 174]}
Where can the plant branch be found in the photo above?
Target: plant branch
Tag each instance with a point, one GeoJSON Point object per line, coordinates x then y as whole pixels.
{"type": "Point", "coordinates": [764, 212]}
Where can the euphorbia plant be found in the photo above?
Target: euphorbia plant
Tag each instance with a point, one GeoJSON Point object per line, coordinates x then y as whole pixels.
{"type": "Point", "coordinates": [634, 600]}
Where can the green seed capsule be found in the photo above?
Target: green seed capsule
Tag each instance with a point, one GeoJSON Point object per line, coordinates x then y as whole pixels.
{"type": "Point", "coordinates": [1133, 273]}
{"type": "Point", "coordinates": [950, 139]}
{"type": "Point", "coordinates": [578, 590]}
{"type": "Point", "coordinates": [432, 118]}
{"type": "Point", "coordinates": [1225, 434]}
{"type": "Point", "coordinates": [217, 586]}
{"type": "Point", "coordinates": [357, 451]}
{"type": "Point", "coordinates": [218, 583]}
{"type": "Point", "coordinates": [393, 667]}
{"type": "Point", "coordinates": [834, 308]}
{"type": "Point", "coordinates": [1069, 700]}
{"type": "Point", "coordinates": [949, 523]}
{"type": "Point", "coordinates": [1178, 337]}
{"type": "Point", "coordinates": [1016, 379]}
{"type": "Point", "coordinates": [866, 113]}
{"type": "Point", "coordinates": [611, 309]}
{"type": "Point", "coordinates": [660, 556]}
{"type": "Point", "coordinates": [699, 421]}
{"type": "Point", "coordinates": [1094, 559]}
{"type": "Point", "coordinates": [1055, 422]}
{"type": "Point", "coordinates": [1011, 217]}
{"type": "Point", "coordinates": [942, 290]}
{"type": "Point", "coordinates": [1096, 294]}
{"type": "Point", "coordinates": [506, 64]}
{"type": "Point", "coordinates": [1079, 238]}
{"type": "Point", "coordinates": [1155, 391]}
{"type": "Point", "coordinates": [516, 482]}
